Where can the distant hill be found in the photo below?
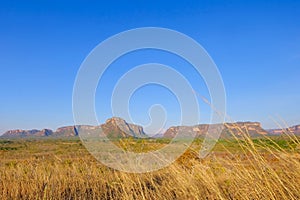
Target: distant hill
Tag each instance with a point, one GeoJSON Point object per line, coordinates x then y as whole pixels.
{"type": "Point", "coordinates": [113, 128]}
{"type": "Point", "coordinates": [118, 128]}
{"type": "Point", "coordinates": [63, 131]}
{"type": "Point", "coordinates": [291, 130]}
{"type": "Point", "coordinates": [227, 130]}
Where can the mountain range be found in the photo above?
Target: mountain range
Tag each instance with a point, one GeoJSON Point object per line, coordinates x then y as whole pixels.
{"type": "Point", "coordinates": [118, 128]}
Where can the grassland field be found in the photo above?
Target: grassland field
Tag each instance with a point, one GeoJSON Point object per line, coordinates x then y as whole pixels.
{"type": "Point", "coordinates": [62, 168]}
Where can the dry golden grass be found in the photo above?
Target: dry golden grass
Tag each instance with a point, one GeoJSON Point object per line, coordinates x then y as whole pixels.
{"type": "Point", "coordinates": [240, 168]}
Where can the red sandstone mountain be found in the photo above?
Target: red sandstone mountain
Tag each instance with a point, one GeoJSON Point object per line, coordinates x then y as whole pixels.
{"type": "Point", "coordinates": [113, 128]}
{"type": "Point", "coordinates": [291, 130]}
{"type": "Point", "coordinates": [117, 127]}
{"type": "Point", "coordinates": [227, 130]}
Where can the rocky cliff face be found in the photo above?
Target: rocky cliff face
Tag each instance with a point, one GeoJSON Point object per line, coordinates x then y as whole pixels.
{"type": "Point", "coordinates": [186, 131]}
{"type": "Point", "coordinates": [291, 130]}
{"type": "Point", "coordinates": [39, 133]}
{"type": "Point", "coordinates": [118, 127]}
{"type": "Point", "coordinates": [20, 133]}
{"type": "Point", "coordinates": [296, 129]}
{"type": "Point", "coordinates": [227, 130]}
{"type": "Point", "coordinates": [113, 128]}
{"type": "Point", "coordinates": [66, 131]}
{"type": "Point", "coordinates": [251, 128]}
{"type": "Point", "coordinates": [44, 132]}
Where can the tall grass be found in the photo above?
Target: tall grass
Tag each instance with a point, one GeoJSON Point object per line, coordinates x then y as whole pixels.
{"type": "Point", "coordinates": [238, 168]}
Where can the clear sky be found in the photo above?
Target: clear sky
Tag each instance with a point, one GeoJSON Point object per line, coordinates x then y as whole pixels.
{"type": "Point", "coordinates": [255, 44]}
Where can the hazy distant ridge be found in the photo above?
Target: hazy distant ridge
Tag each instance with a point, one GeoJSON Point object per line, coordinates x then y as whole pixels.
{"type": "Point", "coordinates": [118, 127]}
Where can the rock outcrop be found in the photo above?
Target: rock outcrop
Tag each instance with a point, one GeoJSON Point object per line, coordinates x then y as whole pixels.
{"type": "Point", "coordinates": [66, 131]}
{"type": "Point", "coordinates": [20, 133]}
{"type": "Point", "coordinates": [40, 133]}
{"type": "Point", "coordinates": [227, 130]}
{"type": "Point", "coordinates": [291, 130]}
{"type": "Point", "coordinates": [117, 127]}
{"type": "Point", "coordinates": [113, 128]}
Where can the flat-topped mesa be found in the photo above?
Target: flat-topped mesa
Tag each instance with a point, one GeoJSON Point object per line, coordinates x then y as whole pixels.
{"type": "Point", "coordinates": [19, 132]}
{"type": "Point", "coordinates": [295, 129]}
{"type": "Point", "coordinates": [27, 133]}
{"type": "Point", "coordinates": [66, 131]}
{"type": "Point", "coordinates": [187, 131]}
{"type": "Point", "coordinates": [291, 130]}
{"type": "Point", "coordinates": [240, 128]}
{"type": "Point", "coordinates": [246, 123]}
{"type": "Point", "coordinates": [227, 130]}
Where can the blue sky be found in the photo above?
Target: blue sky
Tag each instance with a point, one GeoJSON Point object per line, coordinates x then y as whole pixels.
{"type": "Point", "coordinates": [255, 44]}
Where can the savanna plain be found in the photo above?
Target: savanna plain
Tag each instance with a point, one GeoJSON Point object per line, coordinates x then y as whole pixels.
{"type": "Point", "coordinates": [267, 167]}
